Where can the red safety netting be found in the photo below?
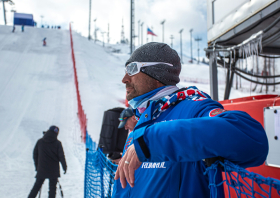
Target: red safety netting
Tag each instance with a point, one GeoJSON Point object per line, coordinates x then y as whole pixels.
{"type": "Point", "coordinates": [81, 113]}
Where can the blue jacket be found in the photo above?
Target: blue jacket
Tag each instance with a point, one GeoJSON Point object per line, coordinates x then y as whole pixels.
{"type": "Point", "coordinates": [173, 146]}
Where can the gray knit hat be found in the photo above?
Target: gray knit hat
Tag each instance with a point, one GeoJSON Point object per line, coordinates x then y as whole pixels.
{"type": "Point", "coordinates": [158, 52]}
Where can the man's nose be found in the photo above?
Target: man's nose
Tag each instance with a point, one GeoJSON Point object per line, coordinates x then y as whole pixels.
{"type": "Point", "coordinates": [126, 79]}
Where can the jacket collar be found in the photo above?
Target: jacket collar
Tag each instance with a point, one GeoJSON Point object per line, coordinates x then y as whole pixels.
{"type": "Point", "coordinates": [147, 115]}
{"type": "Point", "coordinates": [153, 96]}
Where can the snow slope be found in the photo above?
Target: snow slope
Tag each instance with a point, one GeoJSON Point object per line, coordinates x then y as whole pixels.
{"type": "Point", "coordinates": [36, 91]}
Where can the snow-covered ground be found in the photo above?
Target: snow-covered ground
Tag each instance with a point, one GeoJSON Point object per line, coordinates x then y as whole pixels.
{"type": "Point", "coordinates": [37, 90]}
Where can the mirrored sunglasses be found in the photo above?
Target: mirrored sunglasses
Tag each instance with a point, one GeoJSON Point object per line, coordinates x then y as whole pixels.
{"type": "Point", "coordinates": [134, 67]}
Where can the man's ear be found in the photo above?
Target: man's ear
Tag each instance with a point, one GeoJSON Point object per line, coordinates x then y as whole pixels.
{"type": "Point", "coordinates": [134, 119]}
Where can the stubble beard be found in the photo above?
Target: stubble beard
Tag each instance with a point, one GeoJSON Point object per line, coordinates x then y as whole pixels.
{"type": "Point", "coordinates": [144, 85]}
{"type": "Point", "coordinates": [132, 94]}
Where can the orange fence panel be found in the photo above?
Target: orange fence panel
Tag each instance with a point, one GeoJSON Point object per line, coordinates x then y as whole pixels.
{"type": "Point", "coordinates": [254, 106]}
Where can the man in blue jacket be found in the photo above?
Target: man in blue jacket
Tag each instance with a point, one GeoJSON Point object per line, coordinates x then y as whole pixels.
{"type": "Point", "coordinates": [177, 130]}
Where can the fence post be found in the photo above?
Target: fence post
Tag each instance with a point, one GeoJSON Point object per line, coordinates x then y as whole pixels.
{"type": "Point", "coordinates": [86, 171]}
{"type": "Point", "coordinates": [215, 177]}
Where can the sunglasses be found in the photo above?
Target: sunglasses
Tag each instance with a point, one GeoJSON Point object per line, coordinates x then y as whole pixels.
{"type": "Point", "coordinates": [122, 119]}
{"type": "Point", "coordinates": [134, 67]}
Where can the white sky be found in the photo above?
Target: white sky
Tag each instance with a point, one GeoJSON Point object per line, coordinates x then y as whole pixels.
{"type": "Point", "coordinates": [178, 14]}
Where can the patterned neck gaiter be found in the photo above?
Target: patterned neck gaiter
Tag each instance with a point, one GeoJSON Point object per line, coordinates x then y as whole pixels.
{"type": "Point", "coordinates": [163, 103]}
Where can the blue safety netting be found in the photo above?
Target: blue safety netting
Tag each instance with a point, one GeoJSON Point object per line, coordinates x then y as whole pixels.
{"type": "Point", "coordinates": [99, 172]}
{"type": "Point", "coordinates": [242, 183]}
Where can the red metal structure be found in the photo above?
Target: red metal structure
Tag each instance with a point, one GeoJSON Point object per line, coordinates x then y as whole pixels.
{"type": "Point", "coordinates": [254, 105]}
{"type": "Point", "coordinates": [238, 30]}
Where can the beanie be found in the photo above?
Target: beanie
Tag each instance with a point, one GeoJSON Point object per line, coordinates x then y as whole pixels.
{"type": "Point", "coordinates": [54, 129]}
{"type": "Point", "coordinates": [158, 52]}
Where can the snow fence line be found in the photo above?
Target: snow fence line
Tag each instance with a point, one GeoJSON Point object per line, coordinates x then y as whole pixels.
{"type": "Point", "coordinates": [81, 113]}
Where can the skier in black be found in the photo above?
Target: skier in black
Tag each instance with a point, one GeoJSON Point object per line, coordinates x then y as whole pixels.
{"type": "Point", "coordinates": [47, 154]}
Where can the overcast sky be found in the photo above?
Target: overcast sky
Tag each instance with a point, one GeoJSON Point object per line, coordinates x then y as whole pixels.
{"type": "Point", "coordinates": [179, 14]}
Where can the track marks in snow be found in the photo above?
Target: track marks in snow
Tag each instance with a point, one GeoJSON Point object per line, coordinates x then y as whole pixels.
{"type": "Point", "coordinates": [36, 90]}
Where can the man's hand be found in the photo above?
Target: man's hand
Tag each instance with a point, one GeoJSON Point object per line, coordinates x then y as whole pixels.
{"type": "Point", "coordinates": [64, 172]}
{"type": "Point", "coordinates": [127, 166]}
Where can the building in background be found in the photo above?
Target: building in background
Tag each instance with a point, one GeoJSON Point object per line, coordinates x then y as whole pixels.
{"type": "Point", "coordinates": [23, 19]}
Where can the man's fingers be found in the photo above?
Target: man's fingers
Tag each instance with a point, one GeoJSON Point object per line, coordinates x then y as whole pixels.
{"type": "Point", "coordinates": [122, 178]}
{"type": "Point", "coordinates": [126, 172]}
{"type": "Point", "coordinates": [120, 172]}
{"type": "Point", "coordinates": [126, 164]}
{"type": "Point", "coordinates": [117, 176]}
{"type": "Point", "coordinates": [134, 165]}
{"type": "Point", "coordinates": [131, 175]}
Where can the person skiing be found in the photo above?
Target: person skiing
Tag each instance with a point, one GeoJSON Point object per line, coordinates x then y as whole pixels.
{"type": "Point", "coordinates": [44, 41]}
{"type": "Point", "coordinates": [14, 28]}
{"type": "Point", "coordinates": [47, 154]}
{"type": "Point", "coordinates": [22, 28]}
{"type": "Point", "coordinates": [177, 130]}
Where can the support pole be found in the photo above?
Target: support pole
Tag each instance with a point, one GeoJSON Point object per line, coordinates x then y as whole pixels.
{"type": "Point", "coordinates": [131, 26]}
{"type": "Point", "coordinates": [162, 23]}
{"type": "Point", "coordinates": [226, 96]}
{"type": "Point", "coordinates": [171, 37]}
{"type": "Point", "coordinates": [230, 85]}
{"type": "Point", "coordinates": [103, 38]}
{"type": "Point", "coordinates": [152, 35]}
{"type": "Point", "coordinates": [108, 34]}
{"type": "Point", "coordinates": [181, 49]}
{"type": "Point", "coordinates": [191, 46]}
{"type": "Point", "coordinates": [139, 33]}
{"type": "Point", "coordinates": [4, 11]}
{"type": "Point", "coordinates": [142, 33]}
{"type": "Point", "coordinates": [181, 45]}
{"type": "Point", "coordinates": [213, 76]}
{"type": "Point", "coordinates": [42, 20]}
{"type": "Point", "coordinates": [95, 36]}
{"type": "Point", "coordinates": [89, 23]}
{"type": "Point", "coordinates": [163, 32]}
{"type": "Point", "coordinates": [198, 39]}
{"type": "Point", "coordinates": [230, 76]}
